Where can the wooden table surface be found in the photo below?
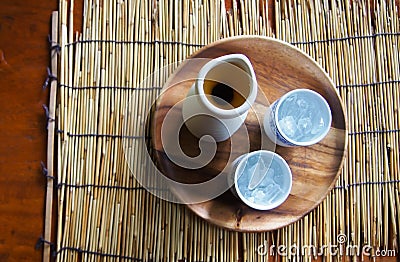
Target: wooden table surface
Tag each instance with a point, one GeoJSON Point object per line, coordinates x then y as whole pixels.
{"type": "Point", "coordinates": [24, 57]}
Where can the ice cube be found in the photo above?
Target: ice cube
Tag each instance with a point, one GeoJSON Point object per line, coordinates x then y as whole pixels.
{"type": "Point", "coordinates": [278, 178]}
{"type": "Point", "coordinates": [318, 125]}
{"type": "Point", "coordinates": [289, 126]}
{"type": "Point", "coordinates": [243, 186]}
{"type": "Point", "coordinates": [304, 125]}
{"type": "Point", "coordinates": [292, 98]}
{"type": "Point", "coordinates": [257, 173]}
{"type": "Point", "coordinates": [258, 195]}
{"type": "Point", "coordinates": [302, 104]}
{"type": "Point", "coordinates": [289, 107]}
{"type": "Point", "coordinates": [277, 194]}
{"type": "Point", "coordinates": [265, 195]}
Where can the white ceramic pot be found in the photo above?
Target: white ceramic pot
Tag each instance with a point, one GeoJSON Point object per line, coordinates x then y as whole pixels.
{"type": "Point", "coordinates": [218, 102]}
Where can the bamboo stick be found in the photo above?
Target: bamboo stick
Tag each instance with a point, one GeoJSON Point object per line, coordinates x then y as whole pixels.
{"type": "Point", "coordinates": [50, 139]}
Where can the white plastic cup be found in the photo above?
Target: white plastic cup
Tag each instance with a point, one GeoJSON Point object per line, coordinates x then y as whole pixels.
{"type": "Point", "coordinates": [205, 113]}
{"type": "Point", "coordinates": [263, 187]}
{"type": "Point", "coordinates": [289, 131]}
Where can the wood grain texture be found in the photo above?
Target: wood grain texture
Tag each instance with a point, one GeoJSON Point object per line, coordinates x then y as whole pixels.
{"type": "Point", "coordinates": [24, 56]}
{"type": "Point", "coordinates": [279, 68]}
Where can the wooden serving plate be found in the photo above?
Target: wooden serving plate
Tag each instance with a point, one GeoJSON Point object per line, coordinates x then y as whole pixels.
{"type": "Point", "coordinates": [279, 68]}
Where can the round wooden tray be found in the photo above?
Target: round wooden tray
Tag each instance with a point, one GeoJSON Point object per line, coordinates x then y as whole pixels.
{"type": "Point", "coordinates": [279, 68]}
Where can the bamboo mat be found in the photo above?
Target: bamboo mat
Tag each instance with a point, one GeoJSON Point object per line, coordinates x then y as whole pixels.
{"type": "Point", "coordinates": [103, 213]}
